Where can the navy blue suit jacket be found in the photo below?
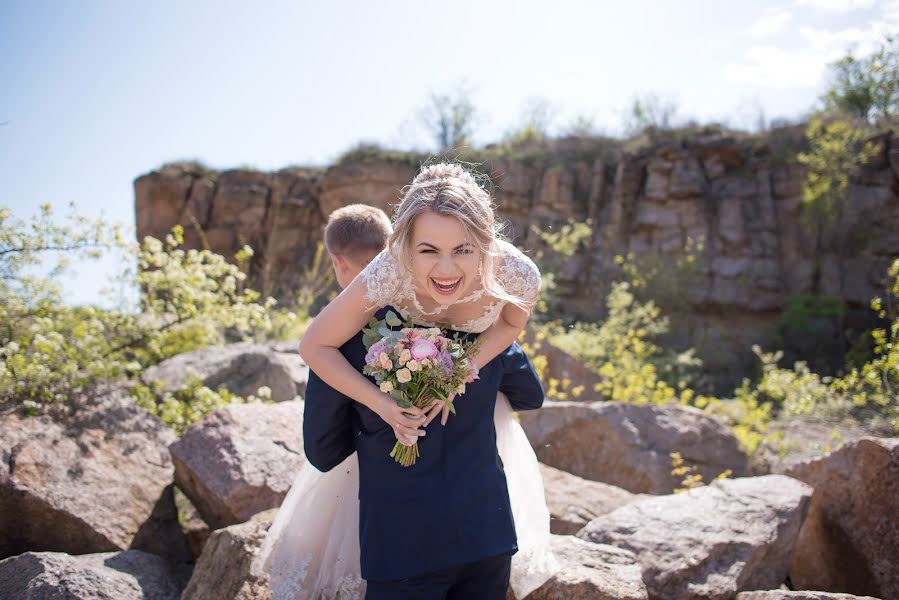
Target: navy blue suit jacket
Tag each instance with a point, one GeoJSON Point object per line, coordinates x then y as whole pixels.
{"type": "Point", "coordinates": [452, 506]}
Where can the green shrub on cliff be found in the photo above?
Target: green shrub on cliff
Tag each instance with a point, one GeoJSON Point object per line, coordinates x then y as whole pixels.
{"type": "Point", "coordinates": [873, 388]}
{"type": "Point", "coordinates": [811, 328]}
{"type": "Point", "coordinates": [369, 152]}
{"type": "Point", "coordinates": [621, 349]}
{"type": "Point", "coordinates": [837, 150]}
{"type": "Point", "coordinates": [559, 246]}
{"type": "Point", "coordinates": [868, 394]}
{"type": "Point", "coordinates": [797, 391]}
{"type": "Point", "coordinates": [635, 369]}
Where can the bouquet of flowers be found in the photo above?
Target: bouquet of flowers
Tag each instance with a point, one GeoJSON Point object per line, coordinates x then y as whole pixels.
{"type": "Point", "coordinates": [416, 365]}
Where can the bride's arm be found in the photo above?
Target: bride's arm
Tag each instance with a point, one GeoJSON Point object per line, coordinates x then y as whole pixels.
{"type": "Point", "coordinates": [339, 321]}
{"type": "Point", "coordinates": [504, 331]}
{"type": "Point", "coordinates": [521, 277]}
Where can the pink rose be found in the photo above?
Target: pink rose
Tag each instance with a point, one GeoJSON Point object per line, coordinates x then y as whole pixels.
{"type": "Point", "coordinates": [422, 348]}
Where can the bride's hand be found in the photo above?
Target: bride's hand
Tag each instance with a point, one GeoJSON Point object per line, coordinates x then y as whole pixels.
{"type": "Point", "coordinates": [438, 407]}
{"type": "Point", "coordinates": [403, 421]}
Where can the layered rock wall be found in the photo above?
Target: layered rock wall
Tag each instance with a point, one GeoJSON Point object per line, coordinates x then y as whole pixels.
{"type": "Point", "coordinates": [737, 200]}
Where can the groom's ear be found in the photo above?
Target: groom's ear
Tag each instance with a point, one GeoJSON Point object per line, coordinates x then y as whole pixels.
{"type": "Point", "coordinates": [341, 268]}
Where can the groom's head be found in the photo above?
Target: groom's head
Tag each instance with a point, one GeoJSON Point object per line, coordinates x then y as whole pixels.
{"type": "Point", "coordinates": [353, 236]}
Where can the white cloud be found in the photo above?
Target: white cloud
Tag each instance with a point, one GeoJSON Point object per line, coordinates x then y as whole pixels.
{"type": "Point", "coordinates": [771, 66]}
{"type": "Point", "coordinates": [834, 44]}
{"type": "Point", "coordinates": [773, 21]}
{"type": "Point", "coordinates": [888, 22]}
{"type": "Point", "coordinates": [836, 6]}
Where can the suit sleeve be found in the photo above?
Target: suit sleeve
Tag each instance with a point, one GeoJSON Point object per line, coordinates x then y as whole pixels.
{"type": "Point", "coordinates": [327, 427]}
{"type": "Point", "coordinates": [520, 382]}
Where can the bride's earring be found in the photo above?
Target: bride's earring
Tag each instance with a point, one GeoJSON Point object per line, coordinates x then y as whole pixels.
{"type": "Point", "coordinates": [481, 269]}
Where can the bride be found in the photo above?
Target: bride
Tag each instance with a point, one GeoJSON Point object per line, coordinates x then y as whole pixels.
{"type": "Point", "coordinates": [444, 265]}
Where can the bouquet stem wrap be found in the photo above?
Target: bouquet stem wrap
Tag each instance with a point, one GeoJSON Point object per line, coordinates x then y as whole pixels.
{"type": "Point", "coordinates": [406, 455]}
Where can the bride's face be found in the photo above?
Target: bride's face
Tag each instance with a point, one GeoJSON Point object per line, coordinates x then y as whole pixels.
{"type": "Point", "coordinates": [444, 260]}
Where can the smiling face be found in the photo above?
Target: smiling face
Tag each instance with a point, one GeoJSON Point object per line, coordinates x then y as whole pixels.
{"type": "Point", "coordinates": [444, 261]}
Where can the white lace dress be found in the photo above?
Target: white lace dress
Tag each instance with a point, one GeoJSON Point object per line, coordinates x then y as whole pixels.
{"type": "Point", "coordinates": [311, 550]}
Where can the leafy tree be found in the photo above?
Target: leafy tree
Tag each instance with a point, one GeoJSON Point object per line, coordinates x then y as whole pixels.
{"type": "Point", "coordinates": [536, 119]}
{"type": "Point", "coordinates": [56, 355]}
{"type": "Point", "coordinates": [866, 87]}
{"type": "Point", "coordinates": [836, 151]}
{"type": "Point", "coordinates": [649, 110]}
{"type": "Point", "coordinates": [581, 126]}
{"type": "Point", "coordinates": [450, 118]}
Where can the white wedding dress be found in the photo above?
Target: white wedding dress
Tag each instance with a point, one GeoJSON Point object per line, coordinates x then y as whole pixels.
{"type": "Point", "coordinates": [311, 550]}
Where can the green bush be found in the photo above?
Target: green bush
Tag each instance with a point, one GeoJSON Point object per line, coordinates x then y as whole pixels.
{"type": "Point", "coordinates": [558, 246]}
{"type": "Point", "coordinates": [53, 354]}
{"type": "Point", "coordinates": [810, 329]}
{"type": "Point", "coordinates": [183, 407]}
{"type": "Point", "coordinates": [873, 388]}
{"type": "Point", "coordinates": [290, 323]}
{"type": "Point", "coordinates": [665, 279]}
{"type": "Point", "coordinates": [622, 351]}
{"type": "Point", "coordinates": [366, 152]}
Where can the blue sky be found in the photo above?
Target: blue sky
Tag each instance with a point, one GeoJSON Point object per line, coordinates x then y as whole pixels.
{"type": "Point", "coordinates": [96, 93]}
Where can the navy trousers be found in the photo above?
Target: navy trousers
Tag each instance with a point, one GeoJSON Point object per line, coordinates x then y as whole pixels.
{"type": "Point", "coordinates": [486, 579]}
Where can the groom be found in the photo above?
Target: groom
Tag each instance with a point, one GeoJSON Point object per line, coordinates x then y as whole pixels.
{"type": "Point", "coordinates": [443, 527]}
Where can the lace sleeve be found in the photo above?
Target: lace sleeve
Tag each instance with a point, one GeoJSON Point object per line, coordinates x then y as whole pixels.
{"type": "Point", "coordinates": [382, 279]}
{"type": "Point", "coordinates": [518, 273]}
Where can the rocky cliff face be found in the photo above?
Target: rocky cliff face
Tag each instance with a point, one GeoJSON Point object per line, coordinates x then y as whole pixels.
{"type": "Point", "coordinates": [739, 197]}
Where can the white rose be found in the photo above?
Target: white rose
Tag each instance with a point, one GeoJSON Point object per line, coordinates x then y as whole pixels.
{"type": "Point", "coordinates": [405, 356]}
{"type": "Point", "coordinates": [386, 387]}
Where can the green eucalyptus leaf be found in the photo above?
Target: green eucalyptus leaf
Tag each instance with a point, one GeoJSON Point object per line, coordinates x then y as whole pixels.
{"type": "Point", "coordinates": [452, 407]}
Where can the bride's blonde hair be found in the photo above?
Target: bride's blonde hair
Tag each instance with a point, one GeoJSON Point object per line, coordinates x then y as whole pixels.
{"type": "Point", "coordinates": [449, 189]}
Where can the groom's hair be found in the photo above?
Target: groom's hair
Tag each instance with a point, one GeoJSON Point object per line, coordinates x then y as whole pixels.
{"type": "Point", "coordinates": [357, 232]}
